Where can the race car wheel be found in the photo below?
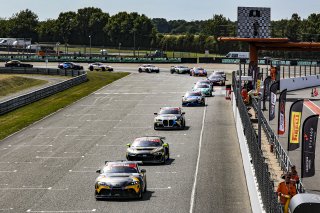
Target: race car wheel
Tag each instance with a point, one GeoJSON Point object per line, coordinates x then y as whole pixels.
{"type": "Point", "coordinates": [140, 196]}
{"type": "Point", "coordinates": [140, 70]}
{"type": "Point", "coordinates": [147, 70]}
{"type": "Point", "coordinates": [157, 71]}
{"type": "Point", "coordinates": [91, 68]}
{"type": "Point", "coordinates": [183, 126]}
{"type": "Point", "coordinates": [155, 127]}
{"type": "Point", "coordinates": [103, 69]}
{"type": "Point", "coordinates": [171, 71]}
{"type": "Point", "coordinates": [145, 187]}
{"type": "Point", "coordinates": [190, 73]}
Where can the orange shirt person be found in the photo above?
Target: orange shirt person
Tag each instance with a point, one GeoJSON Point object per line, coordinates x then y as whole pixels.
{"type": "Point", "coordinates": [286, 189]}
{"type": "Point", "coordinates": [294, 175]}
{"type": "Point", "coordinates": [245, 96]}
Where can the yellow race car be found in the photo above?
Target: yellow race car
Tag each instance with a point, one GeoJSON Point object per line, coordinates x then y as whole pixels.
{"type": "Point", "coordinates": [121, 179]}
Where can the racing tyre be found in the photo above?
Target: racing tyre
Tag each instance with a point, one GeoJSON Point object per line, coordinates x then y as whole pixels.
{"type": "Point", "coordinates": [91, 68]}
{"type": "Point", "coordinates": [140, 70]}
{"type": "Point", "coordinates": [145, 187]}
{"type": "Point", "coordinates": [140, 196]}
{"type": "Point", "coordinates": [157, 71]}
{"type": "Point", "coordinates": [103, 69]}
{"type": "Point", "coordinates": [171, 71]}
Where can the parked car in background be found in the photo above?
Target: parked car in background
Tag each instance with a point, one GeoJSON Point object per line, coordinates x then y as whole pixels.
{"type": "Point", "coordinates": [198, 71]}
{"type": "Point", "coordinates": [99, 67]}
{"type": "Point", "coordinates": [179, 69]}
{"type": "Point", "coordinates": [20, 43]}
{"type": "Point", "coordinates": [33, 47]}
{"type": "Point", "coordinates": [148, 68]}
{"type": "Point", "coordinates": [70, 65]}
{"type": "Point", "coordinates": [237, 55]}
{"type": "Point", "coordinates": [16, 63]}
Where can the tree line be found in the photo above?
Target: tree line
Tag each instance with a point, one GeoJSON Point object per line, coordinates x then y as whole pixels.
{"type": "Point", "coordinates": [133, 30]}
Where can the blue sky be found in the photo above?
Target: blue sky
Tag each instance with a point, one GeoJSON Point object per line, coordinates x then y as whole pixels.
{"type": "Point", "coordinates": [169, 9]}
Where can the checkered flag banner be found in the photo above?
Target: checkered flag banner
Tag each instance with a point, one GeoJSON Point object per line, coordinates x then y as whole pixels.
{"type": "Point", "coordinates": [254, 22]}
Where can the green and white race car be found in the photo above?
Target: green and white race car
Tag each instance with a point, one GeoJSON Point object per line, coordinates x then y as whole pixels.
{"type": "Point", "coordinates": [179, 69]}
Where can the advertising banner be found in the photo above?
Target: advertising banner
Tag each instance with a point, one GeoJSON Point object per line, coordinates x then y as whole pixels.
{"type": "Point", "coordinates": [295, 114]}
{"type": "Point", "coordinates": [282, 112]}
{"type": "Point", "coordinates": [266, 91]}
{"type": "Point", "coordinates": [273, 100]}
{"type": "Point", "coordinates": [309, 132]}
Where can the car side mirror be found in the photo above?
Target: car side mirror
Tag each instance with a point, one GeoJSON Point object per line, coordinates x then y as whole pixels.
{"type": "Point", "coordinates": [98, 171]}
{"type": "Point", "coordinates": [128, 145]}
{"type": "Point", "coordinates": [183, 113]}
{"type": "Point", "coordinates": [155, 113]}
{"type": "Point", "coordinates": [143, 171]}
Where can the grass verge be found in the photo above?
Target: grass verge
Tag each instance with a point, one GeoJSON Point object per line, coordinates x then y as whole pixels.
{"type": "Point", "coordinates": [11, 84]}
{"type": "Point", "coordinates": [24, 116]}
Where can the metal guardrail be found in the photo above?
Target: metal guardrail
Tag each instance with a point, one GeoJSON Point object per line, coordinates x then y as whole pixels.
{"type": "Point", "coordinates": [31, 97]}
{"type": "Point", "coordinates": [265, 184]}
{"type": "Point", "coordinates": [280, 152]}
{"type": "Point", "coordinates": [41, 71]}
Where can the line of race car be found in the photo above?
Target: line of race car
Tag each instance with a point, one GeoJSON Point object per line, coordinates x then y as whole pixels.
{"type": "Point", "coordinates": [125, 178]}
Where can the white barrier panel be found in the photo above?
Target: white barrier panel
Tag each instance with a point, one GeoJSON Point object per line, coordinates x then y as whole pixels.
{"type": "Point", "coordinates": [300, 82]}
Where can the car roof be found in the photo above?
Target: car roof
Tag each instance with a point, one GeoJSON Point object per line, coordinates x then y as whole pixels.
{"type": "Point", "coordinates": [148, 138]}
{"type": "Point", "coordinates": [170, 108]}
{"type": "Point", "coordinates": [124, 163]}
{"type": "Point", "coordinates": [198, 92]}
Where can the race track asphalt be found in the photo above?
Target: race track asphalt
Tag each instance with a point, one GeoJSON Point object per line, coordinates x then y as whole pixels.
{"type": "Point", "coordinates": [50, 166]}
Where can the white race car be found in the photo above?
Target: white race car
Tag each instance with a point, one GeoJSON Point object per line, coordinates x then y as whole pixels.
{"type": "Point", "coordinates": [148, 68]}
{"type": "Point", "coordinates": [99, 67]}
{"type": "Point", "coordinates": [179, 69]}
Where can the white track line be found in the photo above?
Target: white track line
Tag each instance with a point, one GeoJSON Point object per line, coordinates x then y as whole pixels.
{"type": "Point", "coordinates": [197, 167]}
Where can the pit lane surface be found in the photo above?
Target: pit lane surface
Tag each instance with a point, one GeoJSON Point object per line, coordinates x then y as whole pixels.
{"type": "Point", "coordinates": [50, 166]}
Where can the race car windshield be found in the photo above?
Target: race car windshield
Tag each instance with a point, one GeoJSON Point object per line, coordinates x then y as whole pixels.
{"type": "Point", "coordinates": [119, 169]}
{"type": "Point", "coordinates": [145, 144]}
{"type": "Point", "coordinates": [193, 94]}
{"type": "Point", "coordinates": [202, 86]}
{"type": "Point", "coordinates": [169, 111]}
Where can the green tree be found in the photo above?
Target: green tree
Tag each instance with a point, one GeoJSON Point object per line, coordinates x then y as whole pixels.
{"type": "Point", "coordinates": [66, 25]}
{"type": "Point", "coordinates": [23, 25]}
{"type": "Point", "coordinates": [48, 31]}
{"type": "Point", "coordinates": [294, 28]}
{"type": "Point", "coordinates": [90, 22]}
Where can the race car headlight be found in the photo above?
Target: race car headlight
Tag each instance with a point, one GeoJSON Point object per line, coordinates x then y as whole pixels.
{"type": "Point", "coordinates": [158, 151]}
{"type": "Point", "coordinates": [102, 183]}
{"type": "Point", "coordinates": [131, 151]}
{"type": "Point", "coordinates": [133, 183]}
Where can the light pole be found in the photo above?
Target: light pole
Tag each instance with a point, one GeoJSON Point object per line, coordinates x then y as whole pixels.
{"type": "Point", "coordinates": [119, 48]}
{"type": "Point", "coordinates": [58, 53]}
{"type": "Point", "coordinates": [134, 42]}
{"type": "Point", "coordinates": [90, 44]}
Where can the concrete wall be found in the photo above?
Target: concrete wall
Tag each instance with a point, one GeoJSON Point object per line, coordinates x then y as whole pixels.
{"type": "Point", "coordinates": [299, 82]}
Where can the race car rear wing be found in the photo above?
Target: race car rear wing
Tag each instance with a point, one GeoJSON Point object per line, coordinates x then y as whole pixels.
{"type": "Point", "coordinates": [124, 161]}
{"type": "Point", "coordinates": [161, 137]}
